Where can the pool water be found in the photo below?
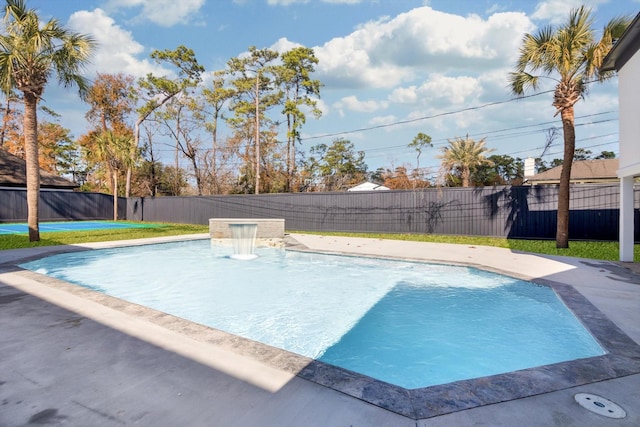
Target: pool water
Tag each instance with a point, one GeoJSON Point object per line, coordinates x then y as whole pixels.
{"type": "Point", "coordinates": [407, 323]}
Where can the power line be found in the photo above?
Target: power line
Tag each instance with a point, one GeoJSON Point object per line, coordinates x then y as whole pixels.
{"type": "Point", "coordinates": [403, 122]}
{"type": "Point", "coordinates": [512, 153]}
{"type": "Point", "coordinates": [553, 153]}
{"type": "Point", "coordinates": [443, 141]}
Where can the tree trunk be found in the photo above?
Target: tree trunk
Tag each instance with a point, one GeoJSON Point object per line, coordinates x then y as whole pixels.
{"type": "Point", "coordinates": [289, 156]}
{"type": "Point", "coordinates": [196, 171]}
{"type": "Point", "coordinates": [214, 158]}
{"type": "Point", "coordinates": [115, 194]}
{"type": "Point", "coordinates": [562, 230]}
{"type": "Point", "coordinates": [292, 175]}
{"type": "Point", "coordinates": [5, 120]}
{"type": "Point", "coordinates": [257, 189]}
{"type": "Point", "coordinates": [127, 185]}
{"type": "Point", "coordinates": [30, 124]}
{"type": "Point", "coordinates": [466, 176]}
{"type": "Point", "coordinates": [176, 176]}
{"type": "Point", "coordinates": [136, 143]}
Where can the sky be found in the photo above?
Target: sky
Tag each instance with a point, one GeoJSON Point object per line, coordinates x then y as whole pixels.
{"type": "Point", "coordinates": [389, 68]}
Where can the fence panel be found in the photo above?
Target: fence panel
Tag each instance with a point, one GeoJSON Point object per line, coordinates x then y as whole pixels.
{"type": "Point", "coordinates": [515, 212]}
{"type": "Point", "coordinates": [60, 206]}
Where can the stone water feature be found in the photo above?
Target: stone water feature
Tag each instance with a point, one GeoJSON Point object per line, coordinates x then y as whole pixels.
{"type": "Point", "coordinates": [245, 234]}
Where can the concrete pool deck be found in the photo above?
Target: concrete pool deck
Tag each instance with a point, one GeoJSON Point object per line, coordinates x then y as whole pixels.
{"type": "Point", "coordinates": [69, 357]}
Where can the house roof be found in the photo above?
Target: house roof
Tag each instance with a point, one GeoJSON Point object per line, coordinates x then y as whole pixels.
{"type": "Point", "coordinates": [626, 46]}
{"type": "Point", "coordinates": [13, 173]}
{"type": "Point", "coordinates": [368, 186]}
{"type": "Point", "coordinates": [584, 171]}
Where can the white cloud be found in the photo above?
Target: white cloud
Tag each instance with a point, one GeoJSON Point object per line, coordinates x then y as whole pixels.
{"type": "Point", "coordinates": [557, 11]}
{"type": "Point", "coordinates": [117, 50]}
{"type": "Point", "coordinates": [354, 104]}
{"type": "Point", "coordinates": [441, 91]}
{"type": "Point", "coordinates": [162, 12]}
{"type": "Point", "coordinates": [494, 85]}
{"type": "Point", "coordinates": [322, 106]}
{"type": "Point", "coordinates": [285, 2]}
{"type": "Point", "coordinates": [404, 95]}
{"type": "Point", "coordinates": [494, 8]}
{"type": "Point", "coordinates": [284, 45]}
{"type": "Point", "coordinates": [346, 62]}
{"type": "Point", "coordinates": [449, 91]}
{"type": "Point", "coordinates": [387, 52]}
{"type": "Point", "coordinates": [383, 120]}
{"type": "Point", "coordinates": [290, 2]}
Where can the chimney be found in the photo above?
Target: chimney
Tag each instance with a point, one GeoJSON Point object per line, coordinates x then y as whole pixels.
{"type": "Point", "coordinates": [529, 167]}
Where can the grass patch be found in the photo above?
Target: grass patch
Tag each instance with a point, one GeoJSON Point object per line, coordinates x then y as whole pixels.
{"type": "Point", "coordinates": [608, 251]}
{"type": "Point", "coordinates": [16, 241]}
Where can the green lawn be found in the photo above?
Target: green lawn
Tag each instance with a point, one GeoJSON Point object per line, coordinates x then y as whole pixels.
{"type": "Point", "coordinates": [581, 249]}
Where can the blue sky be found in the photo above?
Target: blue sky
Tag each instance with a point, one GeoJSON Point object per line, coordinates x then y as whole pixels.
{"type": "Point", "coordinates": [390, 69]}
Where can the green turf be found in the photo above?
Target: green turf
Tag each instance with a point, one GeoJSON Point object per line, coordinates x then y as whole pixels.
{"type": "Point", "coordinates": [9, 241]}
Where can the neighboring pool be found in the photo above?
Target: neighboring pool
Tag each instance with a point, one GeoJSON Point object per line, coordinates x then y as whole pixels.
{"type": "Point", "coordinates": [409, 324]}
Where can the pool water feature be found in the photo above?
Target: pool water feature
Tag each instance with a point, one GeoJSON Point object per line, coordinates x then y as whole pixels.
{"type": "Point", "coordinates": [344, 310]}
{"type": "Point", "coordinates": [243, 237]}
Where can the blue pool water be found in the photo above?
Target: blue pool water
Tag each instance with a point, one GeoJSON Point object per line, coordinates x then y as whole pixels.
{"type": "Point", "coordinates": [406, 323]}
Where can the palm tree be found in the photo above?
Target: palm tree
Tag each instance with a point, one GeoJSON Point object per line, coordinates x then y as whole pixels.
{"type": "Point", "coordinates": [571, 56]}
{"type": "Point", "coordinates": [117, 152]}
{"type": "Point", "coordinates": [464, 155]}
{"type": "Point", "coordinates": [30, 52]}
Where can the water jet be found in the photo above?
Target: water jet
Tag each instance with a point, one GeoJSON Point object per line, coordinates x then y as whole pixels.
{"type": "Point", "coordinates": [243, 239]}
{"type": "Point", "coordinates": [246, 234]}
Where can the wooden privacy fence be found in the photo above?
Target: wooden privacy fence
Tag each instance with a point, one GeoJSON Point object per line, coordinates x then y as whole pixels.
{"type": "Point", "coordinates": [60, 206]}
{"type": "Point", "coordinates": [517, 212]}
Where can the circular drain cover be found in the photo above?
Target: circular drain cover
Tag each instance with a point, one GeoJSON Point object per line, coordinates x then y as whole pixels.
{"type": "Point", "coordinates": [600, 405]}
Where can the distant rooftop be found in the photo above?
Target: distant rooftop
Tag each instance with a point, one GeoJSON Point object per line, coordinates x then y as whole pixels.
{"type": "Point", "coordinates": [368, 186]}
{"type": "Point", "coordinates": [13, 173]}
{"type": "Point", "coordinates": [582, 172]}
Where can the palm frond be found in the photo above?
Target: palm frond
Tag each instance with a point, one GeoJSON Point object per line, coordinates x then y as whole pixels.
{"type": "Point", "coordinates": [521, 81]}
{"type": "Point", "coordinates": [616, 27]}
{"type": "Point", "coordinates": [15, 10]}
{"type": "Point", "coordinates": [598, 51]}
{"type": "Point", "coordinates": [34, 50]}
{"type": "Point", "coordinates": [535, 49]}
{"type": "Point", "coordinates": [573, 38]}
{"type": "Point", "coordinates": [570, 52]}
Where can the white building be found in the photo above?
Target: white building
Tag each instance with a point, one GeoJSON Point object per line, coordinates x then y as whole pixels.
{"type": "Point", "coordinates": [625, 58]}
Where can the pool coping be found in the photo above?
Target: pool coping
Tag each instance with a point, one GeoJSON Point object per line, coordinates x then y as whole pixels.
{"type": "Point", "coordinates": [622, 358]}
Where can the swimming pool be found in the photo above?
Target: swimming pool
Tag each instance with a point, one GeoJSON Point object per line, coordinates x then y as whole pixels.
{"type": "Point", "coordinates": [345, 311]}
